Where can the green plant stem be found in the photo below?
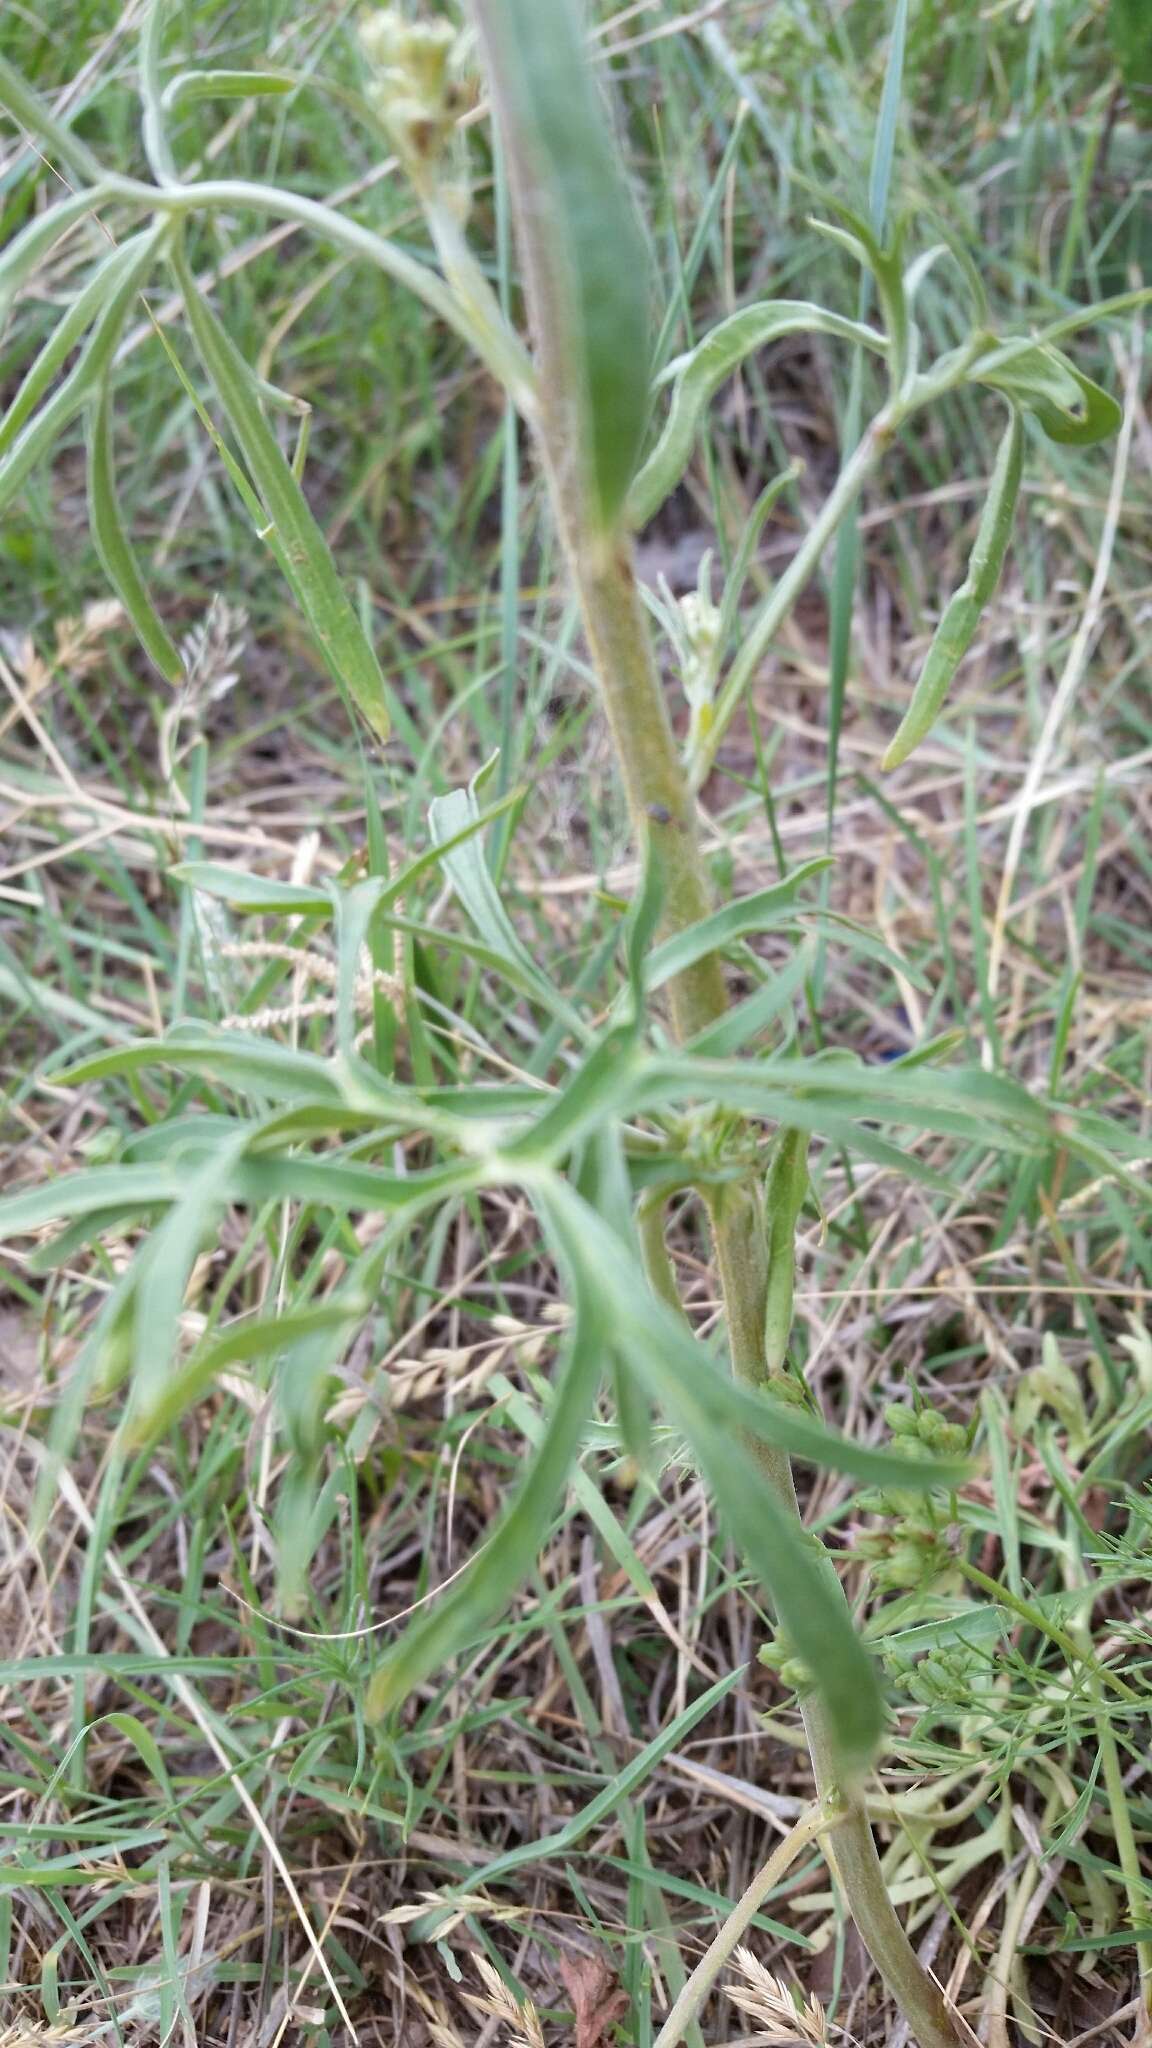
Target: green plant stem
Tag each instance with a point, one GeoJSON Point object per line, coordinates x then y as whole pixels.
{"type": "Point", "coordinates": [494, 342]}
{"type": "Point", "coordinates": [654, 1251]}
{"type": "Point", "coordinates": [851, 1844]}
{"type": "Point", "coordinates": [758, 632]}
{"type": "Point", "coordinates": [660, 805]}
{"type": "Point", "coordinates": [663, 813]}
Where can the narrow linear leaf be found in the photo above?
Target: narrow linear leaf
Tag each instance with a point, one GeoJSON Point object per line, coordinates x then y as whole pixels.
{"type": "Point", "coordinates": [800, 1581]}
{"type": "Point", "coordinates": [732, 1032]}
{"type": "Point", "coordinates": [256, 1337]}
{"type": "Point", "coordinates": [300, 545]}
{"type": "Point", "coordinates": [528, 980]}
{"type": "Point", "coordinates": [785, 1190]}
{"type": "Point", "coordinates": [454, 1622]}
{"type": "Point", "coordinates": [279, 1071]}
{"type": "Point", "coordinates": [162, 1269]}
{"type": "Point", "coordinates": [699, 374]}
{"type": "Point", "coordinates": [66, 335]}
{"type": "Point", "coordinates": [27, 250]}
{"type": "Point", "coordinates": [642, 924]}
{"type": "Point", "coordinates": [496, 346]}
{"type": "Point", "coordinates": [1067, 405]}
{"type": "Point", "coordinates": [68, 1242]}
{"type": "Point", "coordinates": [346, 1186]}
{"type": "Point", "coordinates": [598, 1090]}
{"type": "Point", "coordinates": [339, 1184]}
{"type": "Point", "coordinates": [188, 86]}
{"type": "Point", "coordinates": [975, 1624]}
{"type": "Point", "coordinates": [1131, 27]}
{"type": "Point", "coordinates": [115, 549]}
{"type": "Point", "coordinates": [147, 1748]}
{"type": "Point", "coordinates": [608, 1802]}
{"type": "Point", "coordinates": [355, 908]}
{"type": "Point", "coordinates": [673, 1355]}
{"type": "Point", "coordinates": [33, 113]}
{"type": "Point", "coordinates": [454, 821]}
{"type": "Point", "coordinates": [553, 119]}
{"type": "Point", "coordinates": [984, 1108]}
{"type": "Point", "coordinates": [125, 1188]}
{"type": "Point", "coordinates": [957, 628]}
{"type": "Point", "coordinates": [746, 554]}
{"type": "Point", "coordinates": [43, 1000]}
{"type": "Point", "coordinates": [245, 891]}
{"type": "Point", "coordinates": [190, 1137]}
{"type": "Point", "coordinates": [711, 1409]}
{"type": "Point", "coordinates": [856, 938]}
{"type": "Point", "coordinates": [736, 920]}
{"type": "Point", "coordinates": [304, 1342]}
{"type": "Point", "coordinates": [886, 265]}
{"type": "Point", "coordinates": [823, 1120]}
{"type": "Point", "coordinates": [282, 1073]}
{"type": "Point", "coordinates": [43, 430]}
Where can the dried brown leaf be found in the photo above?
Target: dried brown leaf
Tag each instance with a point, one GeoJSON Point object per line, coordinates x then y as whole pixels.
{"type": "Point", "coordinates": [597, 1999]}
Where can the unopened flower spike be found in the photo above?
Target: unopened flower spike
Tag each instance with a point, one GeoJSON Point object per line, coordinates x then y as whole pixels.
{"type": "Point", "coordinates": [416, 86]}
{"type": "Point", "coordinates": [697, 625]}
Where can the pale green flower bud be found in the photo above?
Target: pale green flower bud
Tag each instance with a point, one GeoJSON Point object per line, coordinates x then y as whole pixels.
{"type": "Point", "coordinates": [415, 86]}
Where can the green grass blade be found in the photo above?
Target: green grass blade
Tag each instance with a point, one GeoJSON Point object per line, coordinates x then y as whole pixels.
{"type": "Point", "coordinates": [245, 1340]}
{"type": "Point", "coordinates": [163, 1268]}
{"type": "Point", "coordinates": [626, 1781]}
{"type": "Point", "coordinates": [847, 557]}
{"type": "Point", "coordinates": [1131, 33]}
{"type": "Point", "coordinates": [884, 145]}
{"type": "Point", "coordinates": [244, 891]}
{"type": "Point", "coordinates": [33, 113]}
{"type": "Point", "coordinates": [301, 546]}
{"type": "Point", "coordinates": [455, 820]}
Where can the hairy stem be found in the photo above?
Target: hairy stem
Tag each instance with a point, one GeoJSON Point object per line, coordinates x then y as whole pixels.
{"type": "Point", "coordinates": [663, 811]}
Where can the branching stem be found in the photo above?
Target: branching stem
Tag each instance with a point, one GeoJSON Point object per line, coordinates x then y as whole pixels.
{"type": "Point", "coordinates": [663, 809]}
